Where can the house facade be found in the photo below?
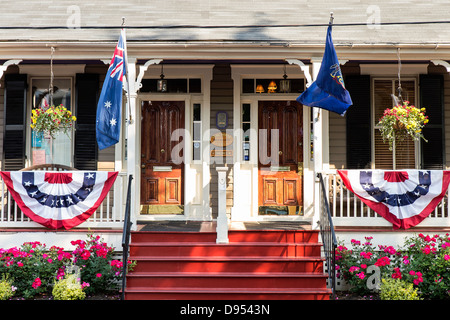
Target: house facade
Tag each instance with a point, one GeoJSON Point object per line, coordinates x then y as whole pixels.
{"type": "Point", "coordinates": [225, 102]}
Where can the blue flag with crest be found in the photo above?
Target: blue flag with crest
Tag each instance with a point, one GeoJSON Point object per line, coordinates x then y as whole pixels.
{"type": "Point", "coordinates": [109, 107]}
{"type": "Point", "coordinates": [328, 91]}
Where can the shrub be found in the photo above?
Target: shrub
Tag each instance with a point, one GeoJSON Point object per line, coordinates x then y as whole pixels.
{"type": "Point", "coordinates": [422, 261]}
{"type": "Point", "coordinates": [354, 265]}
{"type": "Point", "coordinates": [6, 288]}
{"type": "Point", "coordinates": [397, 289]}
{"type": "Point", "coordinates": [97, 266]}
{"type": "Point", "coordinates": [33, 269]}
{"type": "Point", "coordinates": [68, 288]}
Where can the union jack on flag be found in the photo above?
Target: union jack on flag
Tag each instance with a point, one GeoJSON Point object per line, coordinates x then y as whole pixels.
{"type": "Point", "coordinates": [404, 198]}
{"type": "Point", "coordinates": [109, 107]}
{"type": "Point", "coordinates": [58, 199]}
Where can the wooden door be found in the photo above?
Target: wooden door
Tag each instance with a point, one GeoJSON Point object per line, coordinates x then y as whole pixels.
{"type": "Point", "coordinates": [280, 157]}
{"type": "Point", "coordinates": [162, 164]}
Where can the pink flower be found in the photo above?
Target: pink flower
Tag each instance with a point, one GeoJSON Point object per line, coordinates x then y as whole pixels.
{"type": "Point", "coordinates": [361, 275]}
{"type": "Point", "coordinates": [384, 261]}
{"type": "Point", "coordinates": [20, 264]}
{"type": "Point", "coordinates": [85, 255]}
{"type": "Point", "coordinates": [366, 255]}
{"type": "Point", "coordinates": [98, 275]}
{"type": "Point", "coordinates": [37, 283]}
{"type": "Point", "coordinates": [397, 274]}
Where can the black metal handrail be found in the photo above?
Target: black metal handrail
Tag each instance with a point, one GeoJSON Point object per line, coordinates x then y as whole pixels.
{"type": "Point", "coordinates": [126, 237]}
{"type": "Point", "coordinates": [328, 237]}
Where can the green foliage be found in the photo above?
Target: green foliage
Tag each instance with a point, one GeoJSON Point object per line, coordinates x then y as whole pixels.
{"type": "Point", "coordinates": [423, 261]}
{"type": "Point", "coordinates": [94, 257]}
{"type": "Point", "coordinates": [353, 265]}
{"type": "Point", "coordinates": [33, 269]}
{"type": "Point", "coordinates": [68, 288]}
{"type": "Point", "coordinates": [6, 288]}
{"type": "Point", "coordinates": [397, 289]}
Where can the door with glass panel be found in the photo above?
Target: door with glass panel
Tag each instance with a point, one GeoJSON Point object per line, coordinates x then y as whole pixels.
{"type": "Point", "coordinates": [280, 168]}
{"type": "Point", "coordinates": [162, 163]}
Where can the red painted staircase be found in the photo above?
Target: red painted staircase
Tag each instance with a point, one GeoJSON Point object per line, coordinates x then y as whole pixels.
{"type": "Point", "coordinates": [255, 264]}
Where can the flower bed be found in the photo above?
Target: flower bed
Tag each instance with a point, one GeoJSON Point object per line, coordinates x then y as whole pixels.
{"type": "Point", "coordinates": [33, 270]}
{"type": "Point", "coordinates": [423, 261]}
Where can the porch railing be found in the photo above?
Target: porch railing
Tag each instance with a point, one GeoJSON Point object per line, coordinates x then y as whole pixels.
{"type": "Point", "coordinates": [347, 210]}
{"type": "Point", "coordinates": [328, 236]}
{"type": "Point", "coordinates": [126, 237]}
{"type": "Point", "coordinates": [110, 213]}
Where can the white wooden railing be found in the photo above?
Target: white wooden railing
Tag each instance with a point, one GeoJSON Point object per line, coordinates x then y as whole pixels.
{"type": "Point", "coordinates": [110, 213]}
{"type": "Point", "coordinates": [347, 210]}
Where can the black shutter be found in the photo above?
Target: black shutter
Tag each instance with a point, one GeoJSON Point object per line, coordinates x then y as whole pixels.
{"type": "Point", "coordinates": [359, 137]}
{"type": "Point", "coordinates": [432, 98]}
{"type": "Point", "coordinates": [86, 151]}
{"type": "Point", "coordinates": [15, 122]}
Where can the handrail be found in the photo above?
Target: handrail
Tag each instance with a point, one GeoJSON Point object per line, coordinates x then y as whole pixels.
{"type": "Point", "coordinates": [126, 236]}
{"type": "Point", "coordinates": [328, 238]}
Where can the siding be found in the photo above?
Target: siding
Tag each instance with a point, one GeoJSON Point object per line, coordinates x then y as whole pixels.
{"type": "Point", "coordinates": [228, 13]}
{"type": "Point", "coordinates": [337, 129]}
{"type": "Point", "coordinates": [221, 100]}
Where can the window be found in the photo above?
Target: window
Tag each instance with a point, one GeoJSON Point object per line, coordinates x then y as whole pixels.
{"type": "Point", "coordinates": [262, 85]}
{"type": "Point", "coordinates": [174, 85]}
{"type": "Point", "coordinates": [60, 149]}
{"type": "Point", "coordinates": [405, 151]}
{"type": "Point", "coordinates": [246, 128]}
{"type": "Point", "coordinates": [197, 132]}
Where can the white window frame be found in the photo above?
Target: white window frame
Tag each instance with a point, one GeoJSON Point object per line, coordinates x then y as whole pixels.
{"type": "Point", "coordinates": [417, 148]}
{"type": "Point", "coordinates": [29, 156]}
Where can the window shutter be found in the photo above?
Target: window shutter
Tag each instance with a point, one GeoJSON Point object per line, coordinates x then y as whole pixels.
{"type": "Point", "coordinates": [15, 122]}
{"type": "Point", "coordinates": [86, 151]}
{"type": "Point", "coordinates": [432, 98]}
{"type": "Point", "coordinates": [358, 122]}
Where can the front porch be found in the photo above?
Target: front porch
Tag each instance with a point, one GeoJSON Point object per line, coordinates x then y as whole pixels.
{"type": "Point", "coordinates": [351, 218]}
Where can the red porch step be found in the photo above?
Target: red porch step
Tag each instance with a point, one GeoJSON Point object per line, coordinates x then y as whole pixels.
{"type": "Point", "coordinates": [256, 264]}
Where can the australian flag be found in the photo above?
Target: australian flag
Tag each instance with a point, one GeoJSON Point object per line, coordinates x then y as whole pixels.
{"type": "Point", "coordinates": [109, 107]}
{"type": "Point", "coordinates": [328, 91]}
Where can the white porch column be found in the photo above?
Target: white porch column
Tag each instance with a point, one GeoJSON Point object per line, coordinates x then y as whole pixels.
{"type": "Point", "coordinates": [222, 219]}
{"type": "Point", "coordinates": [131, 141]}
{"type": "Point", "coordinates": [317, 149]}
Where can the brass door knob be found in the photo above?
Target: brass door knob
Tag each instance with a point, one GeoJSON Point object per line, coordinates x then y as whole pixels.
{"type": "Point", "coordinates": [280, 152]}
{"type": "Point", "coordinates": [162, 150]}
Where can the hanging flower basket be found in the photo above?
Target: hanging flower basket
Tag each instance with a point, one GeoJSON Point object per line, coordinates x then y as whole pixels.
{"type": "Point", "coordinates": [52, 120]}
{"type": "Point", "coordinates": [402, 121]}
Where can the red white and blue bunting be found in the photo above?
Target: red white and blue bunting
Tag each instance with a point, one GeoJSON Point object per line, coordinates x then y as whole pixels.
{"type": "Point", "coordinates": [404, 198]}
{"type": "Point", "coordinates": [59, 199]}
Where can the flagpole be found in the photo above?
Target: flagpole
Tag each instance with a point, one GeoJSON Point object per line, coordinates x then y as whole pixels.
{"type": "Point", "coordinates": [129, 118]}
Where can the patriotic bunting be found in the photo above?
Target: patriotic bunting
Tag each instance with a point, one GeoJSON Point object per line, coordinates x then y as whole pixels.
{"type": "Point", "coordinates": [404, 198]}
{"type": "Point", "coordinates": [59, 199]}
